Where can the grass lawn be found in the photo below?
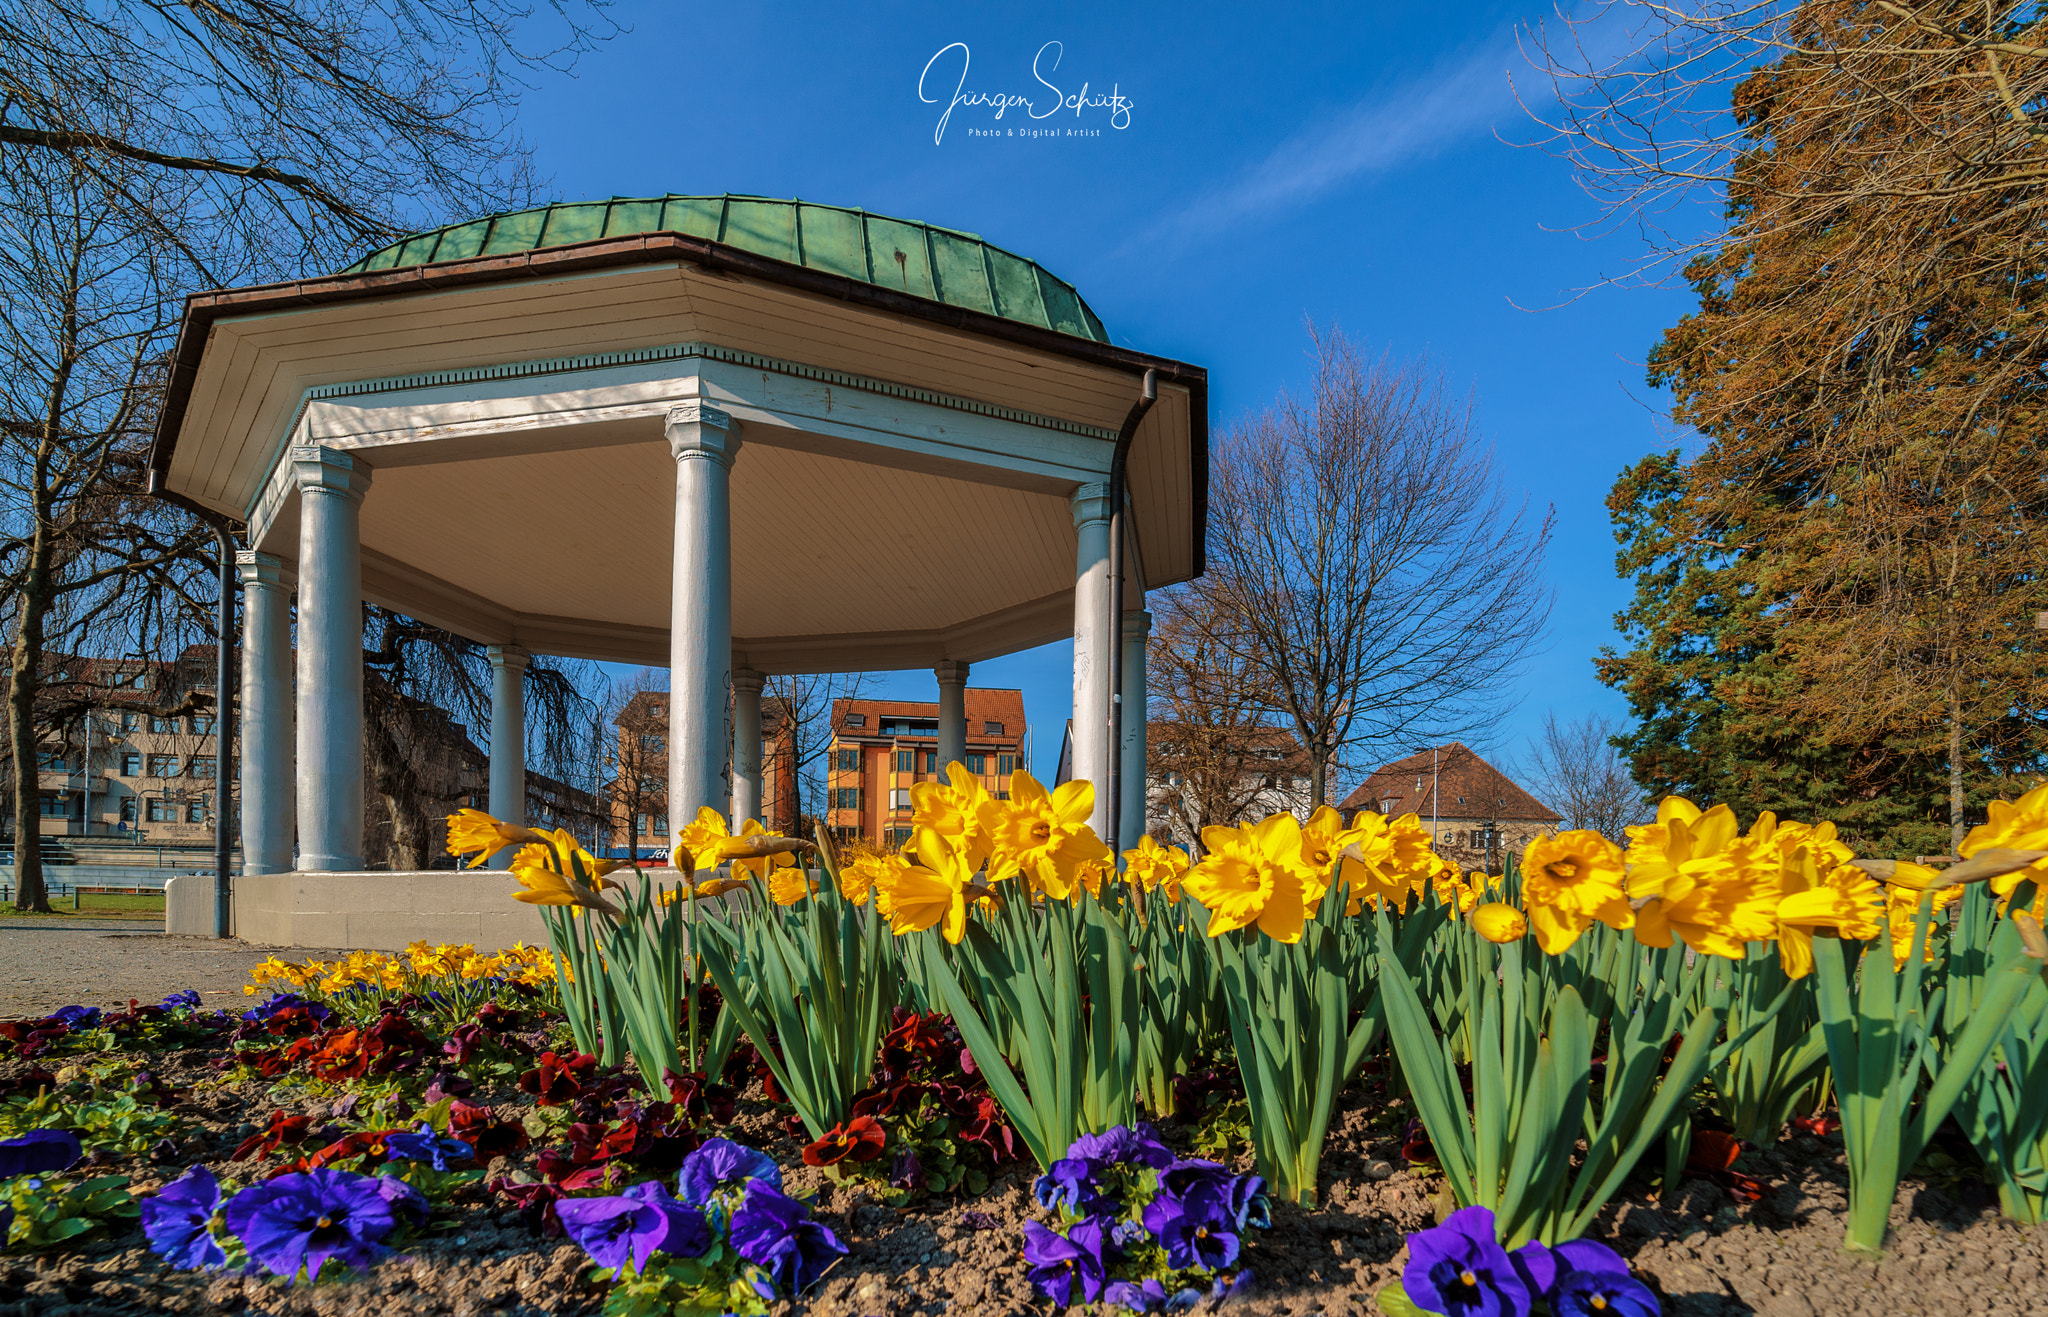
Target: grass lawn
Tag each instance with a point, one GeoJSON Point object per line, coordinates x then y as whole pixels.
{"type": "Point", "coordinates": [96, 905]}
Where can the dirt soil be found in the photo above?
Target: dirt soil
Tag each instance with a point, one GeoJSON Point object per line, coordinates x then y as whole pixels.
{"type": "Point", "coordinates": [48, 963]}
{"type": "Point", "coordinates": [1708, 1255]}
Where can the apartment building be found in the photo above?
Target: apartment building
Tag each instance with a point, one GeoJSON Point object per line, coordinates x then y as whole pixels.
{"type": "Point", "coordinates": [881, 748]}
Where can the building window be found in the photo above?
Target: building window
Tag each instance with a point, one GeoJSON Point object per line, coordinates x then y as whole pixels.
{"type": "Point", "coordinates": [141, 682]}
{"type": "Point", "coordinates": [1000, 795]}
{"type": "Point", "coordinates": [128, 720]}
{"type": "Point", "coordinates": [991, 729]}
{"type": "Point", "coordinates": [202, 765]}
{"type": "Point", "coordinates": [51, 761]}
{"type": "Point", "coordinates": [903, 760]}
{"type": "Point", "coordinates": [848, 761]}
{"type": "Point", "coordinates": [1461, 800]}
{"type": "Point", "coordinates": [202, 725]}
{"type": "Point", "coordinates": [128, 809]}
{"type": "Point", "coordinates": [157, 724]}
{"type": "Point", "coordinates": [856, 720]}
{"type": "Point", "coordinates": [654, 710]}
{"type": "Point", "coordinates": [661, 825]}
{"type": "Point", "coordinates": [163, 765]}
{"type": "Point", "coordinates": [846, 797]}
{"type": "Point", "coordinates": [900, 798]}
{"type": "Point", "coordinates": [653, 743]}
{"type": "Point", "coordinates": [56, 805]}
{"type": "Point", "coordinates": [977, 763]}
{"type": "Point", "coordinates": [1006, 765]}
{"type": "Point", "coordinates": [639, 825]}
{"type": "Point", "coordinates": [162, 811]}
{"type": "Point", "coordinates": [895, 836]}
{"type": "Point", "coordinates": [931, 760]}
{"type": "Point", "coordinates": [131, 764]}
{"type": "Point", "coordinates": [195, 812]}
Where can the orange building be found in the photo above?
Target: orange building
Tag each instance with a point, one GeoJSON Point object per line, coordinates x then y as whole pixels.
{"type": "Point", "coordinates": [881, 748]}
{"type": "Point", "coordinates": [641, 825]}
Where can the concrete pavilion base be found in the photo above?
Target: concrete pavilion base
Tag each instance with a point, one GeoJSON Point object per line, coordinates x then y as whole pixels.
{"type": "Point", "coordinates": [388, 911]}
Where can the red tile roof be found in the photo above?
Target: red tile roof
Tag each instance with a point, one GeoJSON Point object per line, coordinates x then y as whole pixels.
{"type": "Point", "coordinates": [1005, 708]}
{"type": "Point", "coordinates": [1467, 787]}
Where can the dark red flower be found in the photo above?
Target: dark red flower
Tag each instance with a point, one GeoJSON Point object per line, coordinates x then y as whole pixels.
{"type": "Point", "coordinates": [1713, 1155]}
{"type": "Point", "coordinates": [558, 1080]}
{"type": "Point", "coordinates": [1818, 1127]}
{"type": "Point", "coordinates": [284, 1131]}
{"type": "Point", "coordinates": [535, 1200]}
{"type": "Point", "coordinates": [696, 1099]}
{"type": "Point", "coordinates": [987, 1130]}
{"type": "Point", "coordinates": [1415, 1144]}
{"type": "Point", "coordinates": [859, 1139]}
{"type": "Point", "coordinates": [474, 1124]}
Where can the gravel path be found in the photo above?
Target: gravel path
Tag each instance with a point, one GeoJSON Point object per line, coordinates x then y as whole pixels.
{"type": "Point", "coordinates": [45, 964]}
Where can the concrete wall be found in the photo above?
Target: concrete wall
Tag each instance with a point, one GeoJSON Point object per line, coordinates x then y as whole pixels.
{"type": "Point", "coordinates": [188, 905]}
{"type": "Point", "coordinates": [387, 911]}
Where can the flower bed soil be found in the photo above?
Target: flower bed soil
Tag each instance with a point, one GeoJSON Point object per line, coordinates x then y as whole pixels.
{"type": "Point", "coordinates": [1707, 1253]}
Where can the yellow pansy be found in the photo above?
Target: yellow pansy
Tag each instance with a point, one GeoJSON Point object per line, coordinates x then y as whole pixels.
{"type": "Point", "coordinates": [1846, 899]}
{"type": "Point", "coordinates": [1043, 835]}
{"type": "Point", "coordinates": [954, 810]}
{"type": "Point", "coordinates": [1156, 868]}
{"type": "Point", "coordinates": [1569, 881]}
{"type": "Point", "coordinates": [1499, 923]}
{"type": "Point", "coordinates": [1255, 873]}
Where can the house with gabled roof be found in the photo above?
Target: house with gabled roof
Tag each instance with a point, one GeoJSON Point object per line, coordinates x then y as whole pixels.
{"type": "Point", "coordinates": [1478, 815]}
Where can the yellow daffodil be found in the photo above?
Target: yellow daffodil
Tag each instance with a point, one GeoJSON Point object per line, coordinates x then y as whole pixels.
{"type": "Point", "coordinates": [1499, 923]}
{"type": "Point", "coordinates": [1902, 907]}
{"type": "Point", "coordinates": [932, 891]}
{"type": "Point", "coordinates": [704, 837]}
{"type": "Point", "coordinates": [1156, 868]}
{"type": "Point", "coordinates": [472, 830]}
{"type": "Point", "coordinates": [859, 874]}
{"type": "Point", "coordinates": [954, 810]}
{"type": "Point", "coordinates": [720, 886]}
{"type": "Point", "coordinates": [1846, 899]}
{"type": "Point", "coordinates": [790, 885]}
{"type": "Point", "coordinates": [2018, 825]}
{"type": "Point", "coordinates": [1385, 860]}
{"type": "Point", "coordinates": [546, 886]}
{"type": "Point", "coordinates": [1254, 873]}
{"type": "Point", "coordinates": [1323, 839]}
{"type": "Point", "coordinates": [1693, 875]}
{"type": "Point", "coordinates": [1042, 835]}
{"type": "Point", "coordinates": [1568, 882]}
{"type": "Point", "coordinates": [761, 866]}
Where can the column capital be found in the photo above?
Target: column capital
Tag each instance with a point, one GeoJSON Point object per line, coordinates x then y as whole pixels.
{"type": "Point", "coordinates": [697, 429]}
{"type": "Point", "coordinates": [315, 466]}
{"type": "Point", "coordinates": [256, 568]}
{"type": "Point", "coordinates": [749, 680]}
{"type": "Point", "coordinates": [951, 672]}
{"type": "Point", "coordinates": [1137, 622]}
{"type": "Point", "coordinates": [1090, 504]}
{"type": "Point", "coordinates": [511, 657]}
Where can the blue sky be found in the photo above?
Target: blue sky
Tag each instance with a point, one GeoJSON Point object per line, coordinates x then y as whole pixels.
{"type": "Point", "coordinates": [1340, 162]}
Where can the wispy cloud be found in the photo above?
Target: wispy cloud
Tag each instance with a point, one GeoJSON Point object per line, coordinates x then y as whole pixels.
{"type": "Point", "coordinates": [1458, 101]}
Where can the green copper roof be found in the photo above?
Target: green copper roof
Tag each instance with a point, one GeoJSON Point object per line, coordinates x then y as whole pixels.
{"type": "Point", "coordinates": [945, 265]}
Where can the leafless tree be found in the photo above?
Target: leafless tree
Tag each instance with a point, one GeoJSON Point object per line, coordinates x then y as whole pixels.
{"type": "Point", "coordinates": [1209, 721]}
{"type": "Point", "coordinates": [638, 715]}
{"type": "Point", "coordinates": [1575, 769]}
{"type": "Point", "coordinates": [304, 126]}
{"type": "Point", "coordinates": [804, 703]}
{"type": "Point", "coordinates": [1365, 567]}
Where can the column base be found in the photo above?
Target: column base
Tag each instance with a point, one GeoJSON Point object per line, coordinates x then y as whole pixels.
{"type": "Point", "coordinates": [327, 864]}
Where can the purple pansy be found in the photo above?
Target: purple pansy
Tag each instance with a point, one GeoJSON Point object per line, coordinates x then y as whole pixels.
{"type": "Point", "coordinates": [720, 1162]}
{"type": "Point", "coordinates": [1588, 1255]}
{"type": "Point", "coordinates": [186, 1000]}
{"type": "Point", "coordinates": [773, 1230]}
{"type": "Point", "coordinates": [408, 1204]}
{"type": "Point", "coordinates": [1063, 1264]}
{"type": "Point", "coordinates": [1195, 1229]}
{"type": "Point", "coordinates": [1537, 1266]}
{"type": "Point", "coordinates": [1601, 1294]}
{"type": "Point", "coordinates": [301, 1220]}
{"type": "Point", "coordinates": [177, 1221]}
{"type": "Point", "coordinates": [633, 1225]}
{"type": "Point", "coordinates": [1134, 1144]}
{"type": "Point", "coordinates": [423, 1145]}
{"type": "Point", "coordinates": [38, 1151]}
{"type": "Point", "coordinates": [1070, 1186]}
{"type": "Point", "coordinates": [1148, 1296]}
{"type": "Point", "coordinates": [689, 1234]}
{"type": "Point", "coordinates": [77, 1017]}
{"type": "Point", "coordinates": [1460, 1269]}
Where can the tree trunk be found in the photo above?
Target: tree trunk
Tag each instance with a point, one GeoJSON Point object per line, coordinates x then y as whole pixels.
{"type": "Point", "coordinates": [24, 676]}
{"type": "Point", "coordinates": [1318, 780]}
{"type": "Point", "coordinates": [1956, 800]}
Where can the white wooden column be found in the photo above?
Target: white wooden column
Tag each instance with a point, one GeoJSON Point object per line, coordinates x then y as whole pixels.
{"type": "Point", "coordinates": [1090, 505]}
{"type": "Point", "coordinates": [508, 740]}
{"type": "Point", "coordinates": [703, 440]}
{"type": "Point", "coordinates": [746, 744]}
{"type": "Point", "coordinates": [330, 762]}
{"type": "Point", "coordinates": [952, 675]}
{"type": "Point", "coordinates": [266, 712]}
{"type": "Point", "coordinates": [1137, 629]}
